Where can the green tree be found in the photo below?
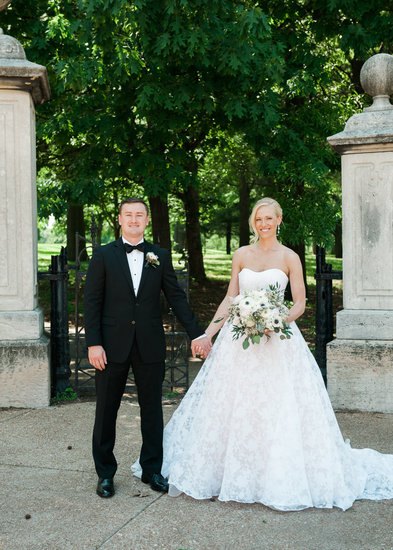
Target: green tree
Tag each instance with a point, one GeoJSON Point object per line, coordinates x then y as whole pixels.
{"type": "Point", "coordinates": [202, 71]}
{"type": "Point", "coordinates": [84, 132]}
{"type": "Point", "coordinates": [326, 44]}
{"type": "Point", "coordinates": [229, 181]}
{"type": "Point", "coordinates": [141, 90]}
{"type": "Point", "coordinates": [137, 88]}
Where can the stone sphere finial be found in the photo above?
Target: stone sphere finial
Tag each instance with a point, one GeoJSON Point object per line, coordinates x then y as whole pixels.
{"type": "Point", "coordinates": [376, 78]}
{"type": "Point", "coordinates": [10, 47]}
{"type": "Point", "coordinates": [4, 4]}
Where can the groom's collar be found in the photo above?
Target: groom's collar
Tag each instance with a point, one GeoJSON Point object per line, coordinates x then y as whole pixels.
{"type": "Point", "coordinates": [125, 241]}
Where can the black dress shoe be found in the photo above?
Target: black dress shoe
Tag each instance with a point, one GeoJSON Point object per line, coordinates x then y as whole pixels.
{"type": "Point", "coordinates": [105, 488]}
{"type": "Point", "coordinates": [156, 481]}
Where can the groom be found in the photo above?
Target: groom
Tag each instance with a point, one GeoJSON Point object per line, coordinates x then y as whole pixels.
{"type": "Point", "coordinates": [124, 329]}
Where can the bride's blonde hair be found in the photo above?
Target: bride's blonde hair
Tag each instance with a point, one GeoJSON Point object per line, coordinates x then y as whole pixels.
{"type": "Point", "coordinates": [266, 201]}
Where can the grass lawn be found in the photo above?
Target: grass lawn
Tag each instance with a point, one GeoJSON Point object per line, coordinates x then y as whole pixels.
{"type": "Point", "coordinates": [204, 298]}
{"type": "Point", "coordinates": [45, 251]}
{"type": "Point", "coordinates": [217, 263]}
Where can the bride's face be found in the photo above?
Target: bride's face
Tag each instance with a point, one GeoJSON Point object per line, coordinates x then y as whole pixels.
{"type": "Point", "coordinates": [266, 221]}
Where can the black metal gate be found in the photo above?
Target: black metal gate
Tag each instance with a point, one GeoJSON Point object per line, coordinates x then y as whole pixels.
{"type": "Point", "coordinates": [83, 371]}
{"type": "Point", "coordinates": [57, 274]}
{"type": "Point", "coordinates": [324, 328]}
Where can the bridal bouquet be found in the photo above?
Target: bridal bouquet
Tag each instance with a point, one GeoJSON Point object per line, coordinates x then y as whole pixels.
{"type": "Point", "coordinates": [255, 311]}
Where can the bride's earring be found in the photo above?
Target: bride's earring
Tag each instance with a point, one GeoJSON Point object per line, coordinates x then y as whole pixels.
{"type": "Point", "coordinates": [278, 230]}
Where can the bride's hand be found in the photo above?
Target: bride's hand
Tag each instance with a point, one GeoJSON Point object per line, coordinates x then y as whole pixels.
{"type": "Point", "coordinates": [201, 346]}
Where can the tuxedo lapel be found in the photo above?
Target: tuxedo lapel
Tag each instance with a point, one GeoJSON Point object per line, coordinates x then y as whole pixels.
{"type": "Point", "coordinates": [145, 268]}
{"type": "Point", "coordinates": [122, 260]}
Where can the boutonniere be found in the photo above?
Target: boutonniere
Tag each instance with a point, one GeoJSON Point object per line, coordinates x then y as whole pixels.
{"type": "Point", "coordinates": [152, 259]}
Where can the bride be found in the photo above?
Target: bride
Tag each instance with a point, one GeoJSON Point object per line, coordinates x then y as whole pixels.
{"type": "Point", "coordinates": [257, 424]}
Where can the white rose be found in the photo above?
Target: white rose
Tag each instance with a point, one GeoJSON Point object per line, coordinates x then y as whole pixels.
{"type": "Point", "coordinates": [268, 319]}
{"type": "Point", "coordinates": [152, 259]}
{"type": "Point", "coordinates": [237, 321]}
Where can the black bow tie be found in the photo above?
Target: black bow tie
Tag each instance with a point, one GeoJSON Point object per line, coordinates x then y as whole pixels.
{"type": "Point", "coordinates": [130, 247]}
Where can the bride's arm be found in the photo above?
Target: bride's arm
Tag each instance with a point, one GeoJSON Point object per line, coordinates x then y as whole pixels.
{"type": "Point", "coordinates": [297, 287]}
{"type": "Point", "coordinates": [222, 312]}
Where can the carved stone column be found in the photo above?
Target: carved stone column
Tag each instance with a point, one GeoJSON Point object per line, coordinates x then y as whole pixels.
{"type": "Point", "coordinates": [24, 350]}
{"type": "Point", "coordinates": [360, 360]}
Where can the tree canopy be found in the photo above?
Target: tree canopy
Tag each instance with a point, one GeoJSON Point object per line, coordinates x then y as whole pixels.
{"type": "Point", "coordinates": [214, 103]}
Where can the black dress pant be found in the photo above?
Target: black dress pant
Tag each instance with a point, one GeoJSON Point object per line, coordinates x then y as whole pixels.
{"type": "Point", "coordinates": [110, 385]}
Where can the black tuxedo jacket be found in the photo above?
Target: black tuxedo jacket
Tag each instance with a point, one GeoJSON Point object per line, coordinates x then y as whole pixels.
{"type": "Point", "coordinates": [114, 316]}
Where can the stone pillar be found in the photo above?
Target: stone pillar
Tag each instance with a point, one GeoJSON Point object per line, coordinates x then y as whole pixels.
{"type": "Point", "coordinates": [360, 360]}
{"type": "Point", "coordinates": [24, 349]}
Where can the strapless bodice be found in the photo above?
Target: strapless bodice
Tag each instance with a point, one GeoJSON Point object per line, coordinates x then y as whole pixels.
{"type": "Point", "coordinates": [255, 280]}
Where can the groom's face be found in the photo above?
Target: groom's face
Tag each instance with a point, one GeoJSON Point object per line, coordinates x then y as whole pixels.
{"type": "Point", "coordinates": [133, 219]}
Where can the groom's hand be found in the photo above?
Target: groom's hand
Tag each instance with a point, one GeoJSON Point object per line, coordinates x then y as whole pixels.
{"type": "Point", "coordinates": [201, 346]}
{"type": "Point", "coordinates": [97, 357]}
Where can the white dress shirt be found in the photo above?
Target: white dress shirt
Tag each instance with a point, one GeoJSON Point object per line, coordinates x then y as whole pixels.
{"type": "Point", "coordinates": [135, 263]}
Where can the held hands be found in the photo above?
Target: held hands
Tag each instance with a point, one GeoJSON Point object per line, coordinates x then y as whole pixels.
{"type": "Point", "coordinates": [97, 357]}
{"type": "Point", "coordinates": [201, 346]}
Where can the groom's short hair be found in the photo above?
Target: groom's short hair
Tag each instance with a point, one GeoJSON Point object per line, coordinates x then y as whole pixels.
{"type": "Point", "coordinates": [131, 200]}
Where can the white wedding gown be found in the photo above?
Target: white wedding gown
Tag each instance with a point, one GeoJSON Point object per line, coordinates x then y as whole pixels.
{"type": "Point", "coordinates": [257, 426]}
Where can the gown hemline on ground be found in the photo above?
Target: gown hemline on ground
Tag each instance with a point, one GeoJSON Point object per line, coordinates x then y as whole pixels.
{"type": "Point", "coordinates": [257, 425]}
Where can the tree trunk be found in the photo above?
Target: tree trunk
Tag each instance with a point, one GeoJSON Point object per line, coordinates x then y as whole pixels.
{"type": "Point", "coordinates": [160, 222]}
{"type": "Point", "coordinates": [338, 240]}
{"type": "Point", "coordinates": [244, 210]}
{"type": "Point", "coordinates": [193, 233]}
{"type": "Point", "coordinates": [300, 249]}
{"type": "Point", "coordinates": [229, 235]}
{"type": "Point", "coordinates": [115, 217]}
{"type": "Point", "coordinates": [75, 223]}
{"type": "Point", "coordinates": [116, 230]}
{"type": "Point", "coordinates": [99, 224]}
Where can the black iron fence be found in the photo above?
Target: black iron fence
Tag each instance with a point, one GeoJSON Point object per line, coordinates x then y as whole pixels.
{"type": "Point", "coordinates": [324, 325]}
{"type": "Point", "coordinates": [177, 341]}
{"type": "Point", "coordinates": [83, 371]}
{"type": "Point", "coordinates": [57, 274]}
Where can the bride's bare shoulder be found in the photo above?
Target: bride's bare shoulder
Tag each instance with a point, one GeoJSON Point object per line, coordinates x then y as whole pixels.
{"type": "Point", "coordinates": [242, 252]}
{"type": "Point", "coordinates": [288, 252]}
{"type": "Point", "coordinates": [240, 256]}
{"type": "Point", "coordinates": [291, 258]}
{"type": "Point", "coordinates": [243, 249]}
